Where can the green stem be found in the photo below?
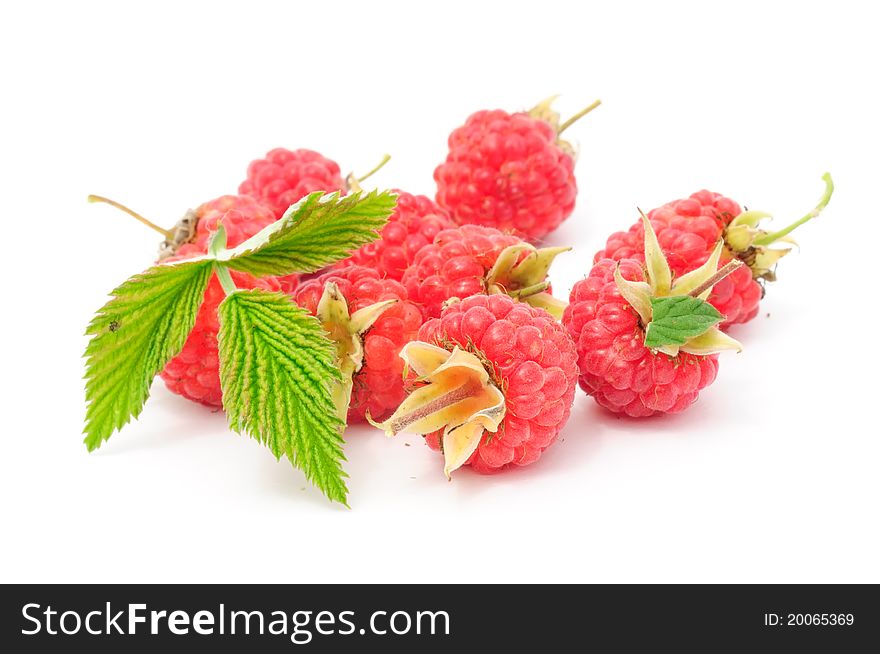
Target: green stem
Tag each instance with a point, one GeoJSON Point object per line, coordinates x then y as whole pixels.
{"type": "Point", "coordinates": [767, 239]}
{"type": "Point", "coordinates": [571, 121]}
{"type": "Point", "coordinates": [225, 278]}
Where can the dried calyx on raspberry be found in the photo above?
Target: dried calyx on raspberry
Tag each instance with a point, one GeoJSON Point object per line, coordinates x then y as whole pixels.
{"type": "Point", "coordinates": [746, 241]}
{"type": "Point", "coordinates": [521, 272]}
{"type": "Point", "coordinates": [347, 331]}
{"type": "Point", "coordinates": [456, 395]}
{"type": "Point", "coordinates": [674, 313]}
{"type": "Point", "coordinates": [476, 260]}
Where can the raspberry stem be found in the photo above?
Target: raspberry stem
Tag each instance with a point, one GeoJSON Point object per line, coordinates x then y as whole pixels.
{"type": "Point", "coordinates": [353, 184]}
{"type": "Point", "coordinates": [385, 159]}
{"type": "Point", "coordinates": [571, 121]}
{"type": "Point", "coordinates": [722, 272]}
{"type": "Point", "coordinates": [165, 232]}
{"type": "Point", "coordinates": [767, 239]}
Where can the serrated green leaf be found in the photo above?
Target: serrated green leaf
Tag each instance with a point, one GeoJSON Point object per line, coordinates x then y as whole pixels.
{"type": "Point", "coordinates": [315, 232]}
{"type": "Point", "coordinates": [677, 319]}
{"type": "Point", "coordinates": [276, 370]}
{"type": "Point", "coordinates": [133, 336]}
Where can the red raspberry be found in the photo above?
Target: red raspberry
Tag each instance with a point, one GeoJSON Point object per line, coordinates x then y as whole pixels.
{"type": "Point", "coordinates": [377, 386]}
{"type": "Point", "coordinates": [527, 366]}
{"type": "Point", "coordinates": [688, 231]}
{"type": "Point", "coordinates": [284, 177]}
{"type": "Point", "coordinates": [194, 372]}
{"type": "Point", "coordinates": [509, 171]}
{"type": "Point", "coordinates": [242, 217]}
{"type": "Point", "coordinates": [464, 261]}
{"type": "Point", "coordinates": [615, 366]}
{"type": "Point", "coordinates": [415, 222]}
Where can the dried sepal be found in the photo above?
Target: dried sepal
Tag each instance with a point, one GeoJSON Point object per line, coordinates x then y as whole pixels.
{"type": "Point", "coordinates": [457, 396]}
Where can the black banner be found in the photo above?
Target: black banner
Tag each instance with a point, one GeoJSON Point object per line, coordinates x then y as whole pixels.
{"type": "Point", "coordinates": [103, 618]}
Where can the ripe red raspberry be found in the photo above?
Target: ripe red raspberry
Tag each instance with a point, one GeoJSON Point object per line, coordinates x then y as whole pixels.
{"type": "Point", "coordinates": [615, 367]}
{"type": "Point", "coordinates": [370, 349]}
{"type": "Point", "coordinates": [610, 315]}
{"type": "Point", "coordinates": [471, 260]}
{"type": "Point", "coordinates": [194, 372]}
{"type": "Point", "coordinates": [284, 177]}
{"type": "Point", "coordinates": [688, 231]}
{"type": "Point", "coordinates": [496, 381]}
{"type": "Point", "coordinates": [510, 171]}
{"type": "Point", "coordinates": [415, 222]}
{"type": "Point", "coordinates": [242, 217]}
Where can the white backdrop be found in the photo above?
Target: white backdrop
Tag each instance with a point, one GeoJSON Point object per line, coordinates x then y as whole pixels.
{"type": "Point", "coordinates": [772, 476]}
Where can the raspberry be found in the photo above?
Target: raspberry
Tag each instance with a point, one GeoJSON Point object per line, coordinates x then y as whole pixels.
{"type": "Point", "coordinates": [608, 317]}
{"type": "Point", "coordinates": [194, 372]}
{"type": "Point", "coordinates": [415, 222]}
{"type": "Point", "coordinates": [284, 177]}
{"type": "Point", "coordinates": [510, 171]}
{"type": "Point", "coordinates": [470, 260]}
{"type": "Point", "coordinates": [242, 217]}
{"type": "Point", "coordinates": [370, 349]}
{"type": "Point", "coordinates": [501, 377]}
{"type": "Point", "coordinates": [688, 231]}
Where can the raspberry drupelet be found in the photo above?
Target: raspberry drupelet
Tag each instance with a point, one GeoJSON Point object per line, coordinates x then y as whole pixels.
{"type": "Point", "coordinates": [471, 260]}
{"type": "Point", "coordinates": [283, 177]}
{"type": "Point", "coordinates": [688, 231]}
{"type": "Point", "coordinates": [493, 384]}
{"type": "Point", "coordinates": [510, 171]}
{"type": "Point", "coordinates": [646, 341]}
{"type": "Point", "coordinates": [370, 320]}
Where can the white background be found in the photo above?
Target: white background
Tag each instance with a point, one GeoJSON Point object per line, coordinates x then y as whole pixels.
{"type": "Point", "coordinates": [771, 477]}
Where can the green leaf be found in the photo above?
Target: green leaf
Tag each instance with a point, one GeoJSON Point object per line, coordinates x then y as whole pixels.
{"type": "Point", "coordinates": [276, 370]}
{"type": "Point", "coordinates": [678, 319]}
{"type": "Point", "coordinates": [315, 232]}
{"type": "Point", "coordinates": [133, 336]}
